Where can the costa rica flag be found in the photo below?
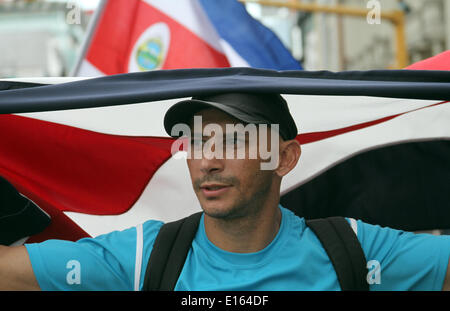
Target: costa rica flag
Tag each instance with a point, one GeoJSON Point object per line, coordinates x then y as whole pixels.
{"type": "Point", "coordinates": [141, 35]}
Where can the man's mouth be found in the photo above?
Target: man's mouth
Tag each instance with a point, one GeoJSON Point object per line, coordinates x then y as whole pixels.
{"type": "Point", "coordinates": [214, 190]}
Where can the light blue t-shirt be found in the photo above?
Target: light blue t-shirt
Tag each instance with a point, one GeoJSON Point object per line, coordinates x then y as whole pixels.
{"type": "Point", "coordinates": [294, 260]}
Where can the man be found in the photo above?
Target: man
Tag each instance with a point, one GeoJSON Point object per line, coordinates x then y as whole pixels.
{"type": "Point", "coordinates": [245, 239]}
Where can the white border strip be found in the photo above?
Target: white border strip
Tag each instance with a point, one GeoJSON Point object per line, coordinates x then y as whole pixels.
{"type": "Point", "coordinates": [354, 225]}
{"type": "Point", "coordinates": [138, 263]}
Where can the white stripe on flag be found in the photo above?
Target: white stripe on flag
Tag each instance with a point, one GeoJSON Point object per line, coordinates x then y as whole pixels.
{"type": "Point", "coordinates": [88, 70]}
{"type": "Point", "coordinates": [190, 14]}
{"type": "Point", "coordinates": [314, 113]}
{"type": "Point", "coordinates": [144, 119]}
{"type": "Point", "coordinates": [311, 113]}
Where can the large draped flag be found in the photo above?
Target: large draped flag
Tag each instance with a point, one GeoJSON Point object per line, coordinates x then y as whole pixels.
{"type": "Point", "coordinates": [93, 154]}
{"type": "Point", "coordinates": [142, 35]}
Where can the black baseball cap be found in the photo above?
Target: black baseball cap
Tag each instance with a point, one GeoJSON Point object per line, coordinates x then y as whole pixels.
{"type": "Point", "coordinates": [253, 108]}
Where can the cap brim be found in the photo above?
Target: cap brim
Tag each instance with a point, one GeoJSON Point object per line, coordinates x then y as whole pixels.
{"type": "Point", "coordinates": [183, 111]}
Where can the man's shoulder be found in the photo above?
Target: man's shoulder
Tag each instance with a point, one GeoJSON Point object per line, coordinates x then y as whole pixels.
{"type": "Point", "coordinates": [369, 235]}
{"type": "Point", "coordinates": [121, 240]}
{"type": "Point", "coordinates": [152, 224]}
{"type": "Point", "coordinates": [360, 227]}
{"type": "Point", "coordinates": [150, 230]}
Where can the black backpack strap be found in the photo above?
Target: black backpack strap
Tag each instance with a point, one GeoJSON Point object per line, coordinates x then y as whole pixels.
{"type": "Point", "coordinates": [345, 252]}
{"type": "Point", "coordinates": [169, 253]}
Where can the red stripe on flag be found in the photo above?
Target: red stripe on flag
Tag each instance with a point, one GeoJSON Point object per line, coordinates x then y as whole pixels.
{"type": "Point", "coordinates": [78, 170]}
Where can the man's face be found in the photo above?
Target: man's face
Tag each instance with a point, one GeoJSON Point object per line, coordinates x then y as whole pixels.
{"type": "Point", "coordinates": [227, 187]}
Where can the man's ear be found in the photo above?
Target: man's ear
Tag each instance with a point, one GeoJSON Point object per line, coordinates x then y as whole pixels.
{"type": "Point", "coordinates": [290, 152]}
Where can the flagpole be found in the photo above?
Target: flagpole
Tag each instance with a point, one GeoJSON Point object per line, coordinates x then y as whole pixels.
{"type": "Point", "coordinates": [87, 39]}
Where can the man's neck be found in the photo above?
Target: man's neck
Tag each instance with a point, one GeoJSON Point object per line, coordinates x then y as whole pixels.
{"type": "Point", "coordinates": [246, 234]}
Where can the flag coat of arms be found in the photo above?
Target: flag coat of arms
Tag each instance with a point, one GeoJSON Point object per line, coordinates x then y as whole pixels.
{"type": "Point", "coordinates": [93, 153]}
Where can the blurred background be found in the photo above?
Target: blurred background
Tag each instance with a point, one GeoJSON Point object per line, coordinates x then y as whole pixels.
{"type": "Point", "coordinates": [40, 38]}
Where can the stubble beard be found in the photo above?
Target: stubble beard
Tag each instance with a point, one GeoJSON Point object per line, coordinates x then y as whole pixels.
{"type": "Point", "coordinates": [242, 207]}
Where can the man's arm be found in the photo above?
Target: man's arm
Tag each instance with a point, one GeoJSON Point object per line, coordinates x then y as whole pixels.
{"type": "Point", "coordinates": [16, 272]}
{"type": "Point", "coordinates": [446, 286]}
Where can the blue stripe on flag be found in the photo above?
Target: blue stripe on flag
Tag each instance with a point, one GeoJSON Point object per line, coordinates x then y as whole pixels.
{"type": "Point", "coordinates": [254, 42]}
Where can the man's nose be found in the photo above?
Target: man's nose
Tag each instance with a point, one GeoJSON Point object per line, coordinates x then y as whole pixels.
{"type": "Point", "coordinates": [211, 163]}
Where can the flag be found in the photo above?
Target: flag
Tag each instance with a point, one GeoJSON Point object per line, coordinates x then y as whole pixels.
{"type": "Point", "coordinates": [142, 35]}
{"type": "Point", "coordinates": [375, 146]}
{"type": "Point", "coordinates": [438, 62]}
